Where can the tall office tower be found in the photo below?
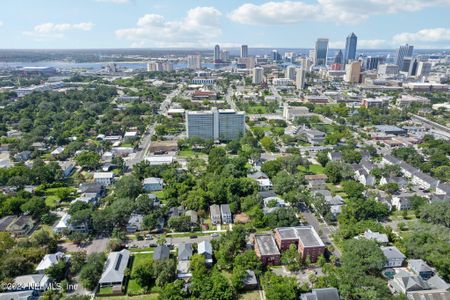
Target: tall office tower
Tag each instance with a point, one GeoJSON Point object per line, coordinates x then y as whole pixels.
{"type": "Point", "coordinates": [258, 75]}
{"type": "Point", "coordinates": [275, 55]}
{"type": "Point", "coordinates": [306, 63]}
{"type": "Point", "coordinates": [423, 68]}
{"type": "Point", "coordinates": [406, 64]}
{"type": "Point", "coordinates": [225, 55]}
{"type": "Point", "coordinates": [290, 72]}
{"type": "Point", "coordinates": [403, 51]}
{"type": "Point", "coordinates": [290, 56]}
{"type": "Point", "coordinates": [321, 52]}
{"type": "Point", "coordinates": [194, 62]}
{"type": "Point", "coordinates": [372, 62]}
{"type": "Point", "coordinates": [244, 51]}
{"type": "Point", "coordinates": [413, 67]}
{"type": "Point", "coordinates": [352, 72]}
{"type": "Point", "coordinates": [339, 58]}
{"type": "Point", "coordinates": [222, 125]}
{"type": "Point", "coordinates": [216, 53]}
{"type": "Point", "coordinates": [350, 47]}
{"type": "Point", "coordinates": [300, 78]}
{"type": "Point", "coordinates": [387, 70]}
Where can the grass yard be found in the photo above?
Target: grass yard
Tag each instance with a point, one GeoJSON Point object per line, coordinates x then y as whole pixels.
{"type": "Point", "coordinates": [52, 201]}
{"type": "Point", "coordinates": [152, 296]}
{"type": "Point", "coordinates": [191, 153]}
{"type": "Point", "coordinates": [133, 287]}
{"type": "Point", "coordinates": [107, 290]}
{"type": "Point", "coordinates": [251, 295]}
{"type": "Point", "coordinates": [256, 109]}
{"type": "Point", "coordinates": [315, 169]}
{"type": "Point", "coordinates": [137, 250]}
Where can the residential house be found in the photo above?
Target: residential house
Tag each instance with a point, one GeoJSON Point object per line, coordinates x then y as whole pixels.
{"type": "Point", "coordinates": [313, 136]}
{"type": "Point", "coordinates": [67, 167]}
{"type": "Point", "coordinates": [227, 217]}
{"type": "Point", "coordinates": [380, 238]}
{"type": "Point", "coordinates": [424, 181]}
{"type": "Point", "coordinates": [334, 156]}
{"type": "Point", "coordinates": [193, 215]}
{"type": "Point", "coordinates": [365, 177]}
{"type": "Point", "coordinates": [394, 258]}
{"type": "Point", "coordinates": [250, 281]}
{"type": "Point", "coordinates": [443, 189]}
{"type": "Point", "coordinates": [215, 214]}
{"type": "Point", "coordinates": [316, 182]}
{"type": "Point", "coordinates": [272, 203]}
{"type": "Point", "coordinates": [321, 294]}
{"type": "Point", "coordinates": [57, 151]}
{"type": "Point", "coordinates": [184, 255]}
{"type": "Point", "coordinates": [407, 169]}
{"type": "Point", "coordinates": [49, 260]}
{"type": "Point", "coordinates": [419, 267]}
{"type": "Point", "coordinates": [37, 282]}
{"type": "Point", "coordinates": [135, 223]}
{"type": "Point", "coordinates": [390, 160]}
{"type": "Point", "coordinates": [161, 252]}
{"type": "Point", "coordinates": [205, 249]}
{"type": "Point", "coordinates": [401, 181]}
{"type": "Point", "coordinates": [104, 178]}
{"type": "Point", "coordinates": [23, 156]}
{"type": "Point", "coordinates": [306, 239]}
{"type": "Point", "coordinates": [263, 181]}
{"type": "Point", "coordinates": [152, 184]}
{"type": "Point", "coordinates": [92, 187]}
{"type": "Point", "coordinates": [266, 249]}
{"type": "Point", "coordinates": [402, 201]}
{"type": "Point", "coordinates": [114, 270]}
{"type": "Point", "coordinates": [21, 226]}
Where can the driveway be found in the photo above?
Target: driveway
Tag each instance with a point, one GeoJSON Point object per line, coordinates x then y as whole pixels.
{"type": "Point", "coordinates": [96, 245]}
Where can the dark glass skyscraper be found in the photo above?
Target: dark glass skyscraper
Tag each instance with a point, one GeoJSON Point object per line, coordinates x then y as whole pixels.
{"type": "Point", "coordinates": [217, 53]}
{"type": "Point", "coordinates": [338, 59]}
{"type": "Point", "coordinates": [321, 52]}
{"type": "Point", "coordinates": [402, 52]}
{"type": "Point", "coordinates": [350, 47]}
{"type": "Point", "coordinates": [244, 51]}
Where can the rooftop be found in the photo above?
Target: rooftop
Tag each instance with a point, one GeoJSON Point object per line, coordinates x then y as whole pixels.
{"type": "Point", "coordinates": [266, 244]}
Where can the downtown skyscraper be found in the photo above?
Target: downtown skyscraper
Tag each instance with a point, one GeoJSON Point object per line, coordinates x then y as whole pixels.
{"type": "Point", "coordinates": [402, 52]}
{"type": "Point", "coordinates": [321, 52]}
{"type": "Point", "coordinates": [244, 51]}
{"type": "Point", "coordinates": [350, 47]}
{"type": "Point", "coordinates": [217, 53]}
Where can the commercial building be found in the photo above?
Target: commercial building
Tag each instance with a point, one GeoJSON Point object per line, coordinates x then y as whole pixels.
{"type": "Point", "coordinates": [321, 52]}
{"type": "Point", "coordinates": [244, 51]}
{"type": "Point", "coordinates": [350, 48]}
{"type": "Point", "coordinates": [194, 62]}
{"type": "Point", "coordinates": [266, 249]}
{"type": "Point", "coordinates": [304, 237]}
{"type": "Point", "coordinates": [385, 70]}
{"type": "Point", "coordinates": [423, 68]}
{"type": "Point", "coordinates": [353, 72]}
{"type": "Point", "coordinates": [216, 53]}
{"type": "Point", "coordinates": [290, 72]}
{"type": "Point", "coordinates": [372, 62]}
{"type": "Point", "coordinates": [339, 58]}
{"type": "Point", "coordinates": [300, 78]}
{"type": "Point", "coordinates": [402, 52]}
{"type": "Point", "coordinates": [223, 125]}
{"type": "Point", "coordinates": [258, 75]}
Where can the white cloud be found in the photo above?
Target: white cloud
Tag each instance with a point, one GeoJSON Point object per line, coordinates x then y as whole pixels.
{"type": "Point", "coordinates": [273, 13]}
{"type": "Point", "coordinates": [48, 31]}
{"type": "Point", "coordinates": [336, 44]}
{"type": "Point", "coordinates": [343, 11]}
{"type": "Point", "coordinates": [198, 28]}
{"type": "Point", "coordinates": [115, 1]}
{"type": "Point", "coordinates": [371, 44]}
{"type": "Point", "coordinates": [431, 35]}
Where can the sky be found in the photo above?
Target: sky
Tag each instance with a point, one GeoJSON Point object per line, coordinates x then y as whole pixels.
{"type": "Point", "coordinates": [70, 24]}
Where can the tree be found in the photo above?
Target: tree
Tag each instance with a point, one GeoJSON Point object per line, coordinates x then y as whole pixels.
{"type": "Point", "coordinates": [272, 167]}
{"type": "Point", "coordinates": [436, 213]}
{"type": "Point", "coordinates": [248, 260]}
{"type": "Point", "coordinates": [268, 143]}
{"type": "Point", "coordinates": [77, 261]}
{"type": "Point", "coordinates": [180, 223]}
{"type": "Point", "coordinates": [128, 186]}
{"type": "Point", "coordinates": [92, 270]}
{"type": "Point", "coordinates": [58, 271]}
{"type": "Point", "coordinates": [291, 258]}
{"type": "Point", "coordinates": [283, 182]}
{"type": "Point", "coordinates": [88, 159]}
{"type": "Point", "coordinates": [237, 278]}
{"type": "Point", "coordinates": [282, 217]}
{"type": "Point", "coordinates": [363, 255]}
{"type": "Point", "coordinates": [390, 187]}
{"type": "Point", "coordinates": [322, 157]}
{"type": "Point", "coordinates": [164, 271]}
{"type": "Point", "coordinates": [279, 288]}
{"type": "Point", "coordinates": [143, 273]}
{"type": "Point", "coordinates": [6, 242]}
{"type": "Point", "coordinates": [173, 291]}
{"type": "Point", "coordinates": [337, 171]}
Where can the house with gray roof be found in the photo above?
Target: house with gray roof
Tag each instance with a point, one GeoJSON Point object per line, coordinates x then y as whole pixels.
{"type": "Point", "coordinates": [404, 282]}
{"type": "Point", "coordinates": [215, 214]}
{"type": "Point", "coordinates": [49, 260]}
{"type": "Point", "coordinates": [183, 265]}
{"type": "Point", "coordinates": [38, 282]}
{"type": "Point", "coordinates": [321, 294]}
{"type": "Point", "coordinates": [420, 267]}
{"type": "Point", "coordinates": [225, 212]}
{"type": "Point", "coordinates": [114, 270]}
{"type": "Point", "coordinates": [380, 238]}
{"type": "Point", "coordinates": [424, 181]}
{"type": "Point", "coordinates": [394, 258]}
{"type": "Point", "coordinates": [205, 248]}
{"type": "Point", "coordinates": [161, 252]}
{"type": "Point", "coordinates": [250, 281]}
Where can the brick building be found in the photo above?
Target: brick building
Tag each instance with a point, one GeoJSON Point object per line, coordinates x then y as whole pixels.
{"type": "Point", "coordinates": [305, 239]}
{"type": "Point", "coordinates": [266, 249]}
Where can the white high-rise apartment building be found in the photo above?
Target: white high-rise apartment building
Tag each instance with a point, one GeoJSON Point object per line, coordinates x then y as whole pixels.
{"type": "Point", "coordinates": [217, 125]}
{"type": "Point", "coordinates": [194, 62]}
{"type": "Point", "coordinates": [258, 75]}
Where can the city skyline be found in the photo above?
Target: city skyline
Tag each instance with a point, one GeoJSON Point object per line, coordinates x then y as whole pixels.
{"type": "Point", "coordinates": [147, 24]}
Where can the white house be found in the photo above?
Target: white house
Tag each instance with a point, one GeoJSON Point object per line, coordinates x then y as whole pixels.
{"type": "Point", "coordinates": [49, 260]}
{"type": "Point", "coordinates": [151, 184]}
{"type": "Point", "coordinates": [402, 201]}
{"type": "Point", "coordinates": [104, 178]}
{"type": "Point", "coordinates": [394, 258]}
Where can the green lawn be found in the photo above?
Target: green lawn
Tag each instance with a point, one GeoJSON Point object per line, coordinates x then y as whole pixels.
{"type": "Point", "coordinates": [133, 286]}
{"type": "Point", "coordinates": [190, 153]}
{"type": "Point", "coordinates": [152, 296]}
{"type": "Point", "coordinates": [52, 201]}
{"type": "Point", "coordinates": [256, 109]}
{"type": "Point", "coordinates": [107, 290]}
{"type": "Point", "coordinates": [251, 295]}
{"type": "Point", "coordinates": [316, 169]}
